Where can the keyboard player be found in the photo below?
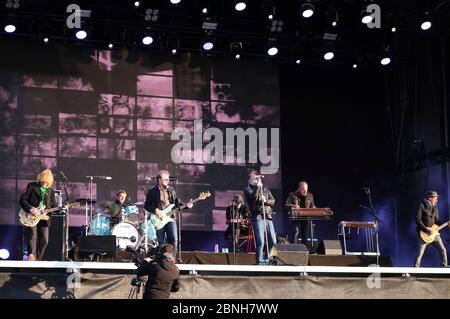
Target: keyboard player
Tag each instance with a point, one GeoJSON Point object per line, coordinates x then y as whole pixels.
{"type": "Point", "coordinates": [238, 216]}
{"type": "Point", "coordinates": [301, 198]}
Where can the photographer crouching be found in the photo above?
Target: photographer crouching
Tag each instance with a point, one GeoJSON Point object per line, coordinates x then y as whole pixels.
{"type": "Point", "coordinates": [163, 274]}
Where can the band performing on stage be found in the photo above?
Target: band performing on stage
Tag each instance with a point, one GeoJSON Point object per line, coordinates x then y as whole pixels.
{"type": "Point", "coordinates": [154, 222]}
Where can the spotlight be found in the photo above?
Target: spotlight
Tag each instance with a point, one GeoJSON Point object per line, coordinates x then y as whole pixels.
{"type": "Point", "coordinates": [277, 26]}
{"type": "Point", "coordinates": [385, 61]}
{"type": "Point", "coordinates": [240, 5]}
{"type": "Point", "coordinates": [46, 40]}
{"type": "Point", "coordinates": [205, 10]}
{"type": "Point", "coordinates": [173, 43]}
{"type": "Point", "coordinates": [366, 17]}
{"type": "Point", "coordinates": [147, 40]}
{"type": "Point", "coordinates": [328, 56]}
{"type": "Point", "coordinates": [334, 23]}
{"type": "Point", "coordinates": [137, 4]}
{"type": "Point", "coordinates": [208, 45]}
{"type": "Point", "coordinates": [174, 51]}
{"type": "Point", "coordinates": [110, 45]}
{"type": "Point", "coordinates": [426, 25]}
{"type": "Point", "coordinates": [393, 29]}
{"type": "Point", "coordinates": [272, 50]}
{"type": "Point", "coordinates": [307, 10]}
{"type": "Point", "coordinates": [4, 253]}
{"type": "Point", "coordinates": [298, 61]}
{"type": "Point", "coordinates": [175, 1]}
{"type": "Point", "coordinates": [355, 66]}
{"type": "Point", "coordinates": [81, 34]}
{"type": "Point", "coordinates": [10, 28]}
{"type": "Point", "coordinates": [236, 49]}
{"type": "Point", "coordinates": [151, 15]}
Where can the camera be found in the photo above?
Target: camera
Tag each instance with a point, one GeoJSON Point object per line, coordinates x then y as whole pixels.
{"type": "Point", "coordinates": [137, 282]}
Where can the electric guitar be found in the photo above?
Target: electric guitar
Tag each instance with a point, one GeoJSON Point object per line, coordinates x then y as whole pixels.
{"type": "Point", "coordinates": [169, 211]}
{"type": "Point", "coordinates": [30, 220]}
{"type": "Point", "coordinates": [430, 238]}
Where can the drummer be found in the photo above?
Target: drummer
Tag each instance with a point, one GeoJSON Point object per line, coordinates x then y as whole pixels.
{"type": "Point", "coordinates": [116, 208]}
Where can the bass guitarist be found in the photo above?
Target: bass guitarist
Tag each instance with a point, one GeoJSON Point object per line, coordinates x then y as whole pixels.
{"type": "Point", "coordinates": [159, 197]}
{"type": "Point", "coordinates": [427, 216]}
{"type": "Point", "coordinates": [35, 195]}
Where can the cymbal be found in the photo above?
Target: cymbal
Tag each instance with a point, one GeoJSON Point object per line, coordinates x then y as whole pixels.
{"type": "Point", "coordinates": [85, 200]}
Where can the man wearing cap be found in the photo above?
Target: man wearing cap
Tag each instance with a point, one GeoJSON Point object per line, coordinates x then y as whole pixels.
{"type": "Point", "coordinates": [260, 200]}
{"type": "Point", "coordinates": [427, 216]}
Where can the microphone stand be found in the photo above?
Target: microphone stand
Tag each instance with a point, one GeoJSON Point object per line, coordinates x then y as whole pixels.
{"type": "Point", "coordinates": [179, 259]}
{"type": "Point", "coordinates": [66, 222]}
{"type": "Point", "coordinates": [233, 218]}
{"type": "Point", "coordinates": [260, 189]}
{"type": "Point", "coordinates": [91, 182]}
{"type": "Point", "coordinates": [378, 221]}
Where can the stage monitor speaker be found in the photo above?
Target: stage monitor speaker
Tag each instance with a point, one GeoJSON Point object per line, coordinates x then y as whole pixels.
{"type": "Point", "coordinates": [96, 246]}
{"type": "Point", "coordinates": [56, 248]}
{"type": "Point", "coordinates": [290, 254]}
{"type": "Point", "coordinates": [330, 248]}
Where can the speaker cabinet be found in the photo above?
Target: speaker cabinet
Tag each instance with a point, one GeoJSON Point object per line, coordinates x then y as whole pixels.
{"type": "Point", "coordinates": [330, 248]}
{"type": "Point", "coordinates": [57, 244]}
{"type": "Point", "coordinates": [96, 246]}
{"type": "Point", "coordinates": [290, 254]}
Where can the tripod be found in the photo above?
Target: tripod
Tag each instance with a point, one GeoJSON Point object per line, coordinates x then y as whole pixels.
{"type": "Point", "coordinates": [135, 290]}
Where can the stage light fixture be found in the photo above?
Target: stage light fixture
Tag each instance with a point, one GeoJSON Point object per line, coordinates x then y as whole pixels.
{"type": "Point", "coordinates": [307, 10]}
{"type": "Point", "coordinates": [175, 1]}
{"type": "Point", "coordinates": [366, 17]}
{"type": "Point", "coordinates": [10, 28]}
{"type": "Point", "coordinates": [236, 49]}
{"type": "Point", "coordinates": [147, 40]}
{"type": "Point", "coordinates": [328, 55]}
{"type": "Point", "coordinates": [385, 60]}
{"type": "Point", "coordinates": [81, 34]}
{"type": "Point", "coordinates": [4, 253]}
{"type": "Point", "coordinates": [240, 5]}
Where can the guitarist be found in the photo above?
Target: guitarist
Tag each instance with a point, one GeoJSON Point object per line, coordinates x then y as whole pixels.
{"type": "Point", "coordinates": [159, 197]}
{"type": "Point", "coordinates": [37, 194]}
{"type": "Point", "coordinates": [427, 215]}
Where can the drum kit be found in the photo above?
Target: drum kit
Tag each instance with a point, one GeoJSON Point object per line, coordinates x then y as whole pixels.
{"type": "Point", "coordinates": [133, 229]}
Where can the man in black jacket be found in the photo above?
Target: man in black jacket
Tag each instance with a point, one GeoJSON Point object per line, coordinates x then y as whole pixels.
{"type": "Point", "coordinates": [35, 195]}
{"type": "Point", "coordinates": [428, 215]}
{"type": "Point", "coordinates": [256, 196]}
{"type": "Point", "coordinates": [158, 198]}
{"type": "Point", "coordinates": [163, 274]}
{"type": "Point", "coordinates": [300, 199]}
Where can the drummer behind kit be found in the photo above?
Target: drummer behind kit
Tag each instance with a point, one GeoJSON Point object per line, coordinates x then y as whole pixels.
{"type": "Point", "coordinates": [128, 232]}
{"type": "Point", "coordinates": [131, 232]}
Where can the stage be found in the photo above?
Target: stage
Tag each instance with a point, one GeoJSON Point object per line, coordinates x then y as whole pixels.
{"type": "Point", "coordinates": [110, 280]}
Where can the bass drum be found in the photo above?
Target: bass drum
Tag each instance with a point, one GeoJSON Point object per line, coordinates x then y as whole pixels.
{"type": "Point", "coordinates": [126, 235]}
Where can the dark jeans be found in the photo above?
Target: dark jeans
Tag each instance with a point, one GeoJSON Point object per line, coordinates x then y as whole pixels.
{"type": "Point", "coordinates": [36, 239]}
{"type": "Point", "coordinates": [170, 229]}
{"type": "Point", "coordinates": [258, 229]}
{"type": "Point", "coordinates": [299, 231]}
{"type": "Point", "coordinates": [438, 244]}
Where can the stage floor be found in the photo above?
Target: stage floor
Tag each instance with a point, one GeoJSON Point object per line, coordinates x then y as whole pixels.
{"type": "Point", "coordinates": [97, 280]}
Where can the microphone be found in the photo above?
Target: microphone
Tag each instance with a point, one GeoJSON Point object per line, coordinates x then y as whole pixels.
{"type": "Point", "coordinates": [101, 177]}
{"type": "Point", "coordinates": [63, 175]}
{"type": "Point", "coordinates": [173, 178]}
{"type": "Point", "coordinates": [260, 176]}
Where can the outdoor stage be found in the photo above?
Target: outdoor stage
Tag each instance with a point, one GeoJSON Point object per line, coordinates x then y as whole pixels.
{"type": "Point", "coordinates": [110, 280]}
